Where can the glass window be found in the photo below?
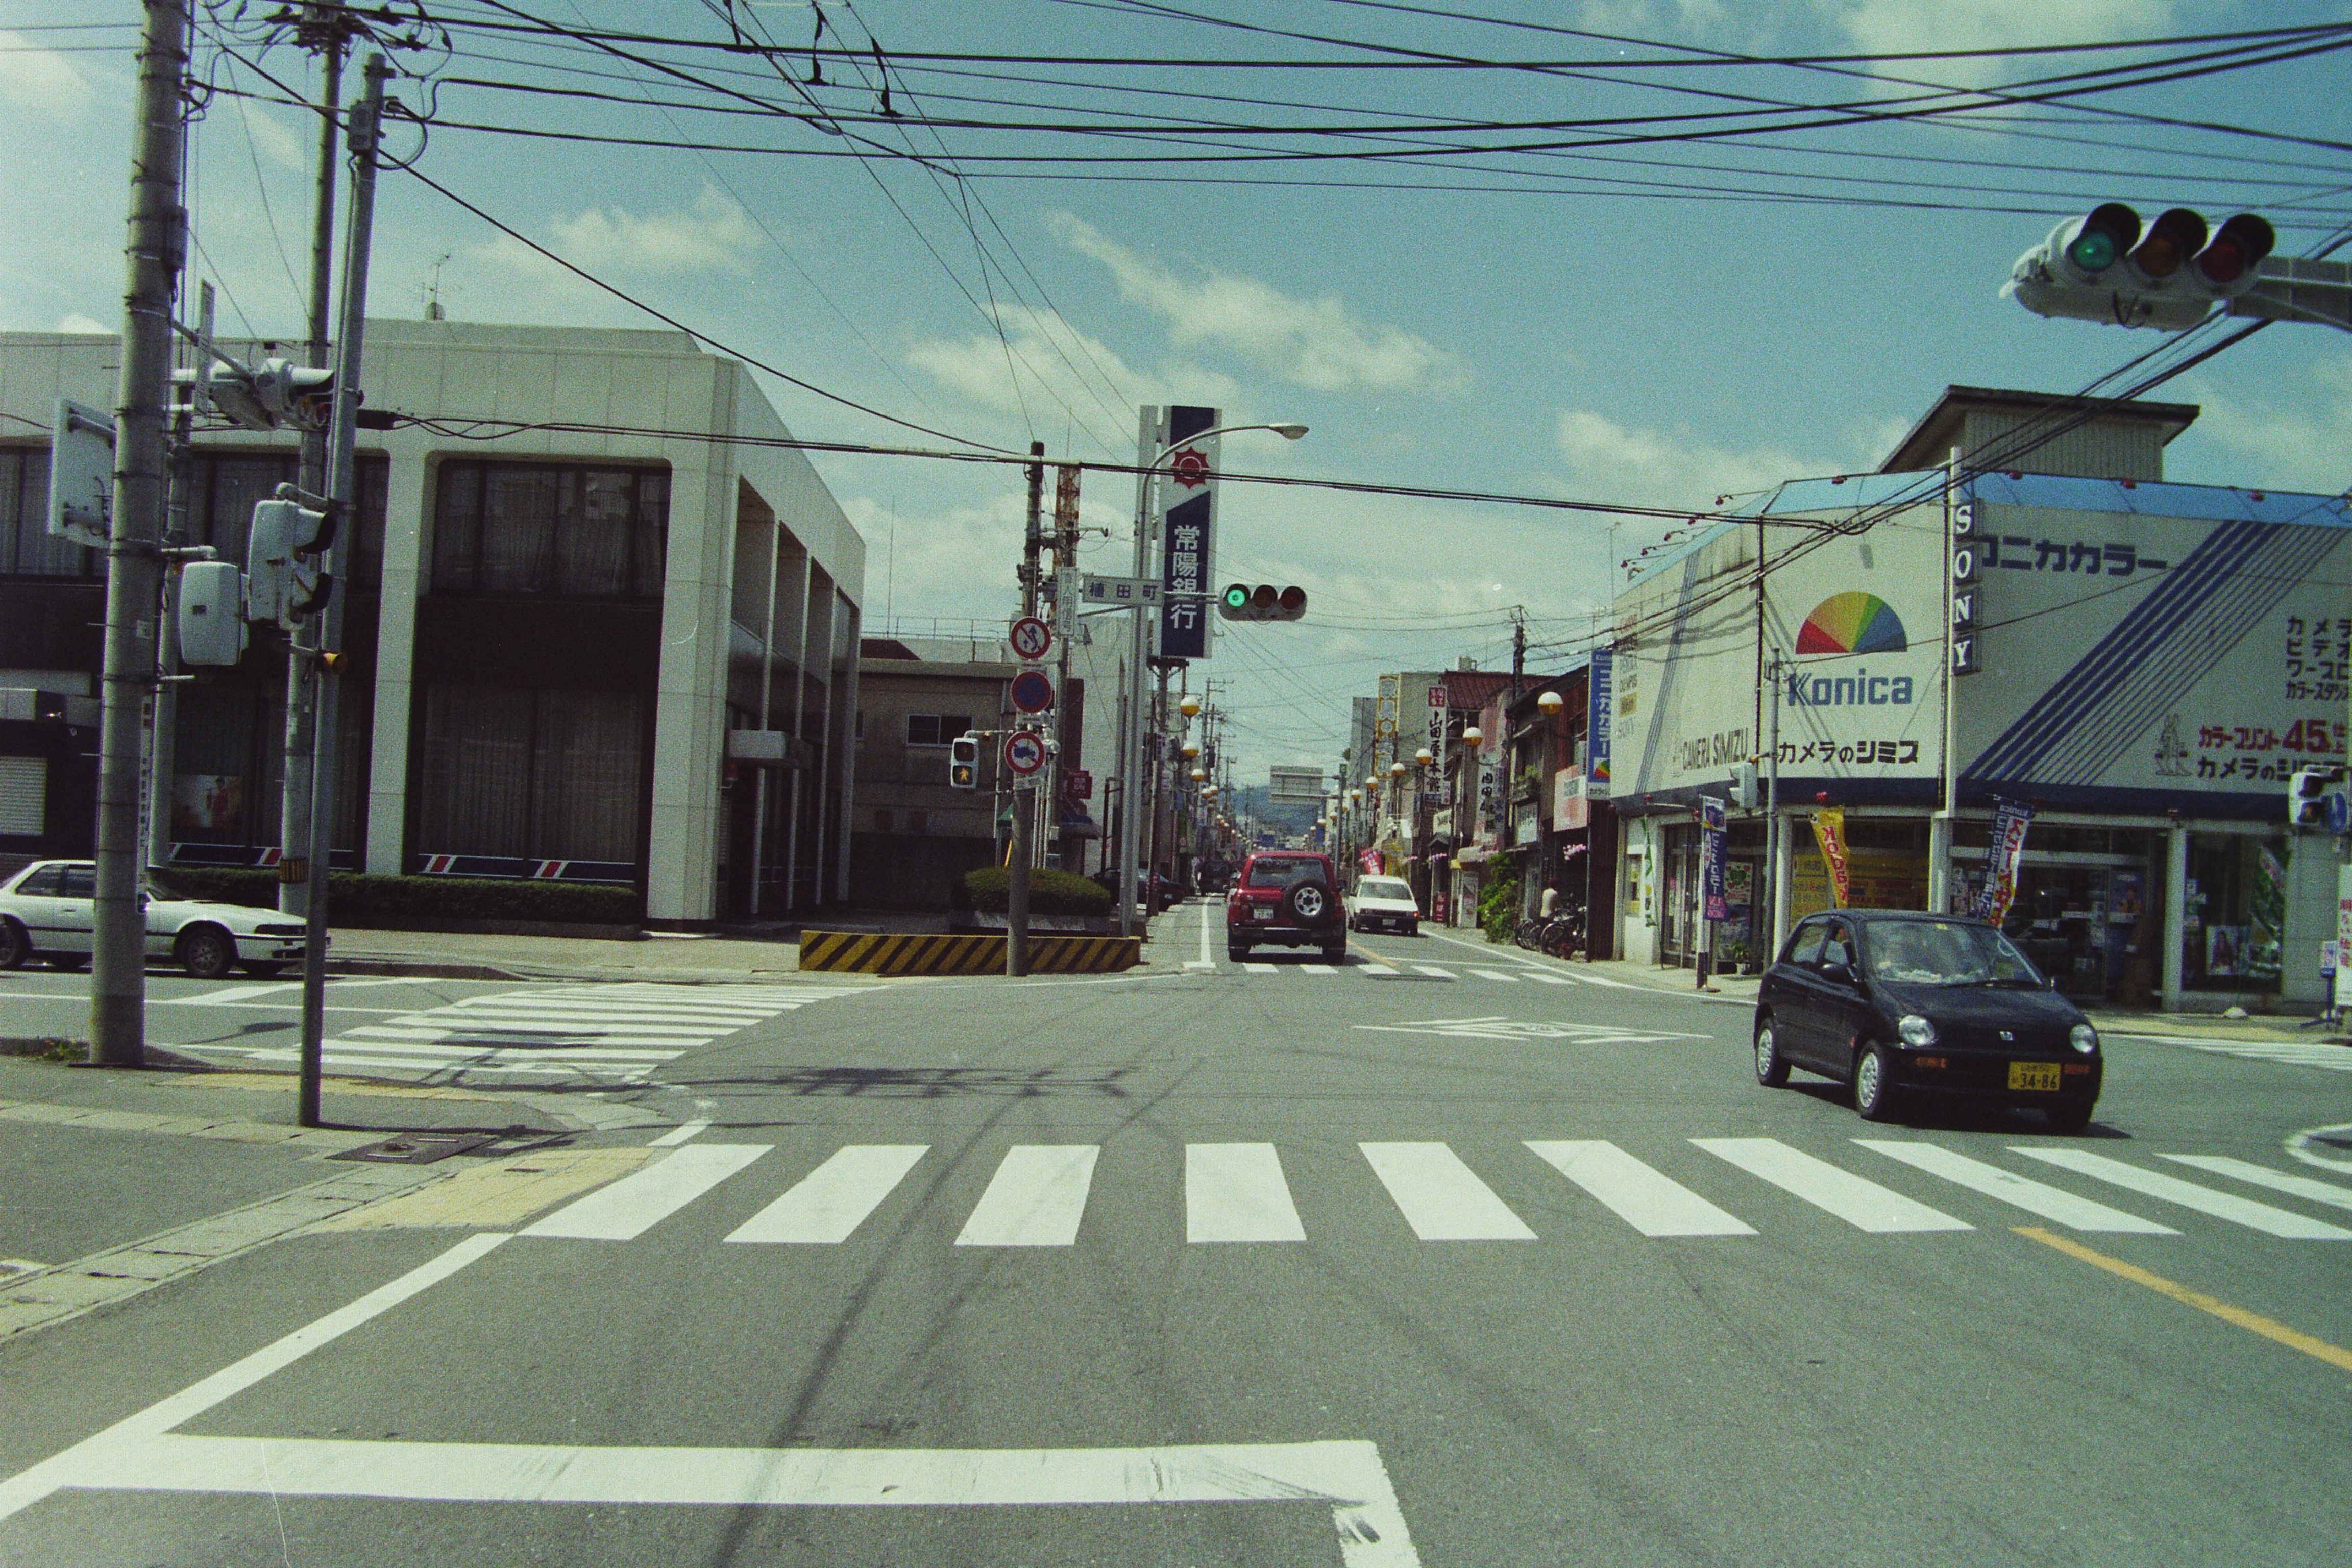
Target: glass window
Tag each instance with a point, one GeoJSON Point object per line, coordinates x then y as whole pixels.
{"type": "Point", "coordinates": [1838, 948]}
{"type": "Point", "coordinates": [533, 774]}
{"type": "Point", "coordinates": [79, 882]}
{"type": "Point", "coordinates": [936, 729]}
{"type": "Point", "coordinates": [1805, 945]}
{"type": "Point", "coordinates": [42, 884]}
{"type": "Point", "coordinates": [1945, 952]}
{"type": "Point", "coordinates": [2235, 910]}
{"type": "Point", "coordinates": [26, 547]}
{"type": "Point", "coordinates": [550, 527]}
{"type": "Point", "coordinates": [1268, 873]}
{"type": "Point", "coordinates": [1382, 887]}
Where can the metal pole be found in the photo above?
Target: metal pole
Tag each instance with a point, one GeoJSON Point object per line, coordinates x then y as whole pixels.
{"type": "Point", "coordinates": [1131, 794]}
{"type": "Point", "coordinates": [342, 476]}
{"type": "Point", "coordinates": [297, 787]}
{"type": "Point", "coordinates": [1159, 775]}
{"type": "Point", "coordinates": [1024, 797]}
{"type": "Point", "coordinates": [767, 692]}
{"type": "Point", "coordinates": [1945, 822]}
{"type": "Point", "coordinates": [155, 250]}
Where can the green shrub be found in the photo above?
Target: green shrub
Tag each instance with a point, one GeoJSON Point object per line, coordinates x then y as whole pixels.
{"type": "Point", "coordinates": [354, 899]}
{"type": "Point", "coordinates": [1499, 906]}
{"type": "Point", "coordinates": [987, 888]}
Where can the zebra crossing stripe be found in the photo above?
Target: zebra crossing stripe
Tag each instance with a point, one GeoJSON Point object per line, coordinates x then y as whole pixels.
{"type": "Point", "coordinates": [832, 1201]}
{"type": "Point", "coordinates": [1378, 969]}
{"type": "Point", "coordinates": [2270, 1221]}
{"type": "Point", "coordinates": [1235, 1192]}
{"type": "Point", "coordinates": [1652, 1203]}
{"type": "Point", "coordinates": [1495, 974]}
{"type": "Point", "coordinates": [637, 1202]}
{"type": "Point", "coordinates": [1864, 1204]}
{"type": "Point", "coordinates": [1441, 1198]}
{"type": "Point", "coordinates": [1035, 1199]}
{"type": "Point", "coordinates": [1541, 978]}
{"type": "Point", "coordinates": [2034, 1197]}
{"type": "Point", "coordinates": [1432, 969]}
{"type": "Point", "coordinates": [2263, 1176]}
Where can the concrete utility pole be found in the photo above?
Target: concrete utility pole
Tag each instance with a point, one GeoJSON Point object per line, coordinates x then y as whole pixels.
{"type": "Point", "coordinates": [327, 31]}
{"type": "Point", "coordinates": [156, 251]}
{"type": "Point", "coordinates": [1024, 791]}
{"type": "Point", "coordinates": [162, 717]}
{"type": "Point", "coordinates": [1131, 796]}
{"type": "Point", "coordinates": [343, 478]}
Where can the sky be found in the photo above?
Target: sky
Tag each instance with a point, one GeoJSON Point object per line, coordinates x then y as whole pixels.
{"type": "Point", "coordinates": [1651, 322]}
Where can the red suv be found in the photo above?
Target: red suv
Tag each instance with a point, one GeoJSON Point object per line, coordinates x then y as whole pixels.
{"type": "Point", "coordinates": [1287, 896]}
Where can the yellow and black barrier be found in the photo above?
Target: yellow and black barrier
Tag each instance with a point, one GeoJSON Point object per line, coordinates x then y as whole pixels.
{"type": "Point", "coordinates": [917, 952]}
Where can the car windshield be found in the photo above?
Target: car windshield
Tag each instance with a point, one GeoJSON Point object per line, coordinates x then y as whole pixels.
{"type": "Point", "coordinates": [1946, 952]}
{"type": "Point", "coordinates": [1282, 873]}
{"type": "Point", "coordinates": [163, 885]}
{"type": "Point", "coordinates": [1382, 887]}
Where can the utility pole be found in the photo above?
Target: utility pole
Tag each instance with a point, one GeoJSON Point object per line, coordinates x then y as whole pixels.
{"type": "Point", "coordinates": [343, 478]}
{"type": "Point", "coordinates": [1132, 795]}
{"type": "Point", "coordinates": [154, 253]}
{"type": "Point", "coordinates": [326, 31]}
{"type": "Point", "coordinates": [1024, 792]}
{"type": "Point", "coordinates": [1066, 630]}
{"type": "Point", "coordinates": [162, 718]}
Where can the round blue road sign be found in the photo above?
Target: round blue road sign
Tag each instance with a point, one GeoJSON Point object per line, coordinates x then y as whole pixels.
{"type": "Point", "coordinates": [1033, 691]}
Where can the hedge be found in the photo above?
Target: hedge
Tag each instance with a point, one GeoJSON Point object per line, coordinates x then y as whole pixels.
{"type": "Point", "coordinates": [354, 899]}
{"type": "Point", "coordinates": [1050, 892]}
{"type": "Point", "coordinates": [1498, 907]}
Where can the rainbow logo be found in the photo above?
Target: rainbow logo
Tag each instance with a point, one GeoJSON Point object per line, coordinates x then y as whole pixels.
{"type": "Point", "coordinates": [1853, 622]}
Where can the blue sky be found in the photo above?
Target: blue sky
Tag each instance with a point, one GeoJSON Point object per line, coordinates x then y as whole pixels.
{"type": "Point", "coordinates": [1583, 341]}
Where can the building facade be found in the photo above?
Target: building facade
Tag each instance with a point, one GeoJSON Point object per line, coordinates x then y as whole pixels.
{"type": "Point", "coordinates": [2140, 664]}
{"type": "Point", "coordinates": [597, 626]}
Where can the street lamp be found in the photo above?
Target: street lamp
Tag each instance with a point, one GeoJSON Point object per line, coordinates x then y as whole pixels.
{"type": "Point", "coordinates": [1472, 735]}
{"type": "Point", "coordinates": [1396, 770]}
{"type": "Point", "coordinates": [1551, 703]}
{"type": "Point", "coordinates": [1130, 838]}
{"type": "Point", "coordinates": [1189, 707]}
{"type": "Point", "coordinates": [1191, 750]}
{"type": "Point", "coordinates": [1424, 757]}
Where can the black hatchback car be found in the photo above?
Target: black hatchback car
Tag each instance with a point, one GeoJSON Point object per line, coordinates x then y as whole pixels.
{"type": "Point", "coordinates": [1903, 1003]}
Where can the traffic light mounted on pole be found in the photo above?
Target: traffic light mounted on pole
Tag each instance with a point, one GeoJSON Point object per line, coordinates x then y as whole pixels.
{"type": "Point", "coordinates": [963, 761]}
{"type": "Point", "coordinates": [2104, 268]}
{"type": "Point", "coordinates": [1240, 602]}
{"type": "Point", "coordinates": [272, 393]}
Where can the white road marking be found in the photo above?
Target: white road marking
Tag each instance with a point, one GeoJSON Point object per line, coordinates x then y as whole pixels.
{"type": "Point", "coordinates": [1259, 968]}
{"type": "Point", "coordinates": [1378, 969]}
{"type": "Point", "coordinates": [685, 1132]}
{"type": "Point", "coordinates": [1541, 978]}
{"type": "Point", "coordinates": [1864, 1204]}
{"type": "Point", "coordinates": [1035, 1199]}
{"type": "Point", "coordinates": [1495, 974]}
{"type": "Point", "coordinates": [1204, 961]}
{"type": "Point", "coordinates": [2034, 1197]}
{"type": "Point", "coordinates": [2188, 1195]}
{"type": "Point", "coordinates": [1652, 1203]}
{"type": "Point", "coordinates": [97, 1461]}
{"type": "Point", "coordinates": [1432, 971]}
{"type": "Point", "coordinates": [634, 1205]}
{"type": "Point", "coordinates": [832, 1201]}
{"type": "Point", "coordinates": [1318, 969]}
{"type": "Point", "coordinates": [247, 992]}
{"type": "Point", "coordinates": [1441, 1198]}
{"type": "Point", "coordinates": [2263, 1176]}
{"type": "Point", "coordinates": [1235, 1192]}
{"type": "Point", "coordinates": [1346, 1477]}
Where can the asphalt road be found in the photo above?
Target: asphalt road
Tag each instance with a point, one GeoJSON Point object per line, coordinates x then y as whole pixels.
{"type": "Point", "coordinates": [1422, 1260]}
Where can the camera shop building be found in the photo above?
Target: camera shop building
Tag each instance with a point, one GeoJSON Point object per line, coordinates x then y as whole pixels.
{"type": "Point", "coordinates": [2141, 665]}
{"type": "Point", "coordinates": [597, 627]}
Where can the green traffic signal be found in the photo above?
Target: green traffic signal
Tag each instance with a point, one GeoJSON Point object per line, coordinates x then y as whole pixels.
{"type": "Point", "coordinates": [1237, 596]}
{"type": "Point", "coordinates": [2093, 251]}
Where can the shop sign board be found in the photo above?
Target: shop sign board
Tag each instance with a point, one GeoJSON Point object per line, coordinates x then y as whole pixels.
{"type": "Point", "coordinates": [1599, 696]}
{"type": "Point", "coordinates": [1524, 831]}
{"type": "Point", "coordinates": [1711, 817]}
{"type": "Point", "coordinates": [1188, 499]}
{"type": "Point", "coordinates": [1571, 806]}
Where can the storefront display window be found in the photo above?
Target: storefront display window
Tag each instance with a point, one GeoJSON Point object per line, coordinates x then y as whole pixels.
{"type": "Point", "coordinates": [2235, 910]}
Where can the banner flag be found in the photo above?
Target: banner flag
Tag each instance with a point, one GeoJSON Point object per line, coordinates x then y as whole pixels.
{"type": "Point", "coordinates": [2002, 855]}
{"type": "Point", "coordinates": [1829, 832]}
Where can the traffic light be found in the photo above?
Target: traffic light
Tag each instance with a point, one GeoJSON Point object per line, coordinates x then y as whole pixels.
{"type": "Point", "coordinates": [963, 761]}
{"type": "Point", "coordinates": [2307, 796]}
{"type": "Point", "coordinates": [1743, 786]}
{"type": "Point", "coordinates": [2104, 268]}
{"type": "Point", "coordinates": [285, 550]}
{"type": "Point", "coordinates": [211, 621]}
{"type": "Point", "coordinates": [1265, 602]}
{"type": "Point", "coordinates": [273, 393]}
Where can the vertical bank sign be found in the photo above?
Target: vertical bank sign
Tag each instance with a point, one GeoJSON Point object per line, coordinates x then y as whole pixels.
{"type": "Point", "coordinates": [1188, 499]}
{"type": "Point", "coordinates": [1599, 693]}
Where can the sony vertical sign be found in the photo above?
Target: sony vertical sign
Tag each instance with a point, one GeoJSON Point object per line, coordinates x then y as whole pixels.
{"type": "Point", "coordinates": [1188, 499]}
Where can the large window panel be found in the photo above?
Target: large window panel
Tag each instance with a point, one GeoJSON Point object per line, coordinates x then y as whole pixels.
{"type": "Point", "coordinates": [568, 530]}
{"type": "Point", "coordinates": [519, 512]}
{"type": "Point", "coordinates": [26, 546]}
{"type": "Point", "coordinates": [587, 774]}
{"type": "Point", "coordinates": [599, 504]}
{"type": "Point", "coordinates": [548, 774]}
{"type": "Point", "coordinates": [475, 795]}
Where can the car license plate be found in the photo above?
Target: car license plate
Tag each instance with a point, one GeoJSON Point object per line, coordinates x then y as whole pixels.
{"type": "Point", "coordinates": [2041, 1075]}
{"type": "Point", "coordinates": [1268, 914]}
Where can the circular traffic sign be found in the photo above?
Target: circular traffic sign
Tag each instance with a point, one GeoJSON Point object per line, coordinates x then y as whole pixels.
{"type": "Point", "coordinates": [1025, 754]}
{"type": "Point", "coordinates": [1031, 638]}
{"type": "Point", "coordinates": [1033, 691]}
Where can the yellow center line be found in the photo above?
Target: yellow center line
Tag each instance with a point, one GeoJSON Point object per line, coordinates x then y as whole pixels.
{"type": "Point", "coordinates": [2269, 1328]}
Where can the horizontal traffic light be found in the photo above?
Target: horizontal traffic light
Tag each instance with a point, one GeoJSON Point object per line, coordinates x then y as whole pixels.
{"type": "Point", "coordinates": [1241, 602]}
{"type": "Point", "coordinates": [2105, 266]}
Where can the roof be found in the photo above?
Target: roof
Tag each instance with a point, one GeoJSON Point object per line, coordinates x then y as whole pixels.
{"type": "Point", "coordinates": [1938, 430]}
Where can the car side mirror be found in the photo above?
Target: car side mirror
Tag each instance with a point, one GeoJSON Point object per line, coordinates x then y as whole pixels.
{"type": "Point", "coordinates": [1842, 972]}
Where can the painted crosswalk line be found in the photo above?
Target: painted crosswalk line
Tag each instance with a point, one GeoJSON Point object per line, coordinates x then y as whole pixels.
{"type": "Point", "coordinates": [1433, 972]}
{"type": "Point", "coordinates": [2308, 1187]}
{"type": "Point", "coordinates": [1441, 1198]}
{"type": "Point", "coordinates": [1036, 1198]}
{"type": "Point", "coordinates": [831, 1202]}
{"type": "Point", "coordinates": [1541, 978]}
{"type": "Point", "coordinates": [2229, 1207]}
{"type": "Point", "coordinates": [2034, 1197]}
{"type": "Point", "coordinates": [1235, 1192]}
{"type": "Point", "coordinates": [1654, 1203]}
{"type": "Point", "coordinates": [2295, 1053]}
{"type": "Point", "coordinates": [637, 1202]}
{"type": "Point", "coordinates": [1496, 975]}
{"type": "Point", "coordinates": [1862, 1204]}
{"type": "Point", "coordinates": [1380, 969]}
{"type": "Point", "coordinates": [1257, 967]}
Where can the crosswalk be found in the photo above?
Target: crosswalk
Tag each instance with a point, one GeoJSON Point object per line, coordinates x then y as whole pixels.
{"type": "Point", "coordinates": [606, 1034]}
{"type": "Point", "coordinates": [1381, 968]}
{"type": "Point", "coordinates": [1038, 1195]}
{"type": "Point", "coordinates": [2295, 1053]}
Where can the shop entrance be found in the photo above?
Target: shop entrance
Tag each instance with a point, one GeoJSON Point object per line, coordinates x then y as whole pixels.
{"type": "Point", "coordinates": [2092, 923]}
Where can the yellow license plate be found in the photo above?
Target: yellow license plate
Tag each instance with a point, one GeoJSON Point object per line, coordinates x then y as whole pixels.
{"type": "Point", "coordinates": [2033, 1075]}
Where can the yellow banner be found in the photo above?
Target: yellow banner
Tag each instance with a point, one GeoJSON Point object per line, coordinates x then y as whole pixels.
{"type": "Point", "coordinates": [1829, 832]}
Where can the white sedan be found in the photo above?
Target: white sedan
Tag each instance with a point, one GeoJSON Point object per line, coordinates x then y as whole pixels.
{"type": "Point", "coordinates": [1383, 903]}
{"type": "Point", "coordinates": [47, 910]}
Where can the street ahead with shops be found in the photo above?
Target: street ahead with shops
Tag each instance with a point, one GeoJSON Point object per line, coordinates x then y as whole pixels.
{"type": "Point", "coordinates": [1449, 1254]}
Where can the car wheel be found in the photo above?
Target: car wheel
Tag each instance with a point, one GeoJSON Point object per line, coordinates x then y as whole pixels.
{"type": "Point", "coordinates": [2069, 1119]}
{"type": "Point", "coordinates": [68, 962]}
{"type": "Point", "coordinates": [15, 946]}
{"type": "Point", "coordinates": [1874, 1085]}
{"type": "Point", "coordinates": [261, 969]}
{"type": "Point", "coordinates": [205, 952]}
{"type": "Point", "coordinates": [1772, 1066]}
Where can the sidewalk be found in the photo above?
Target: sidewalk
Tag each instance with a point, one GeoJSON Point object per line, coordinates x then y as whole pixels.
{"type": "Point", "coordinates": [464, 955]}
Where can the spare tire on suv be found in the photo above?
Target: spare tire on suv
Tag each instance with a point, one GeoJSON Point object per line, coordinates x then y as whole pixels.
{"type": "Point", "coordinates": [1307, 903]}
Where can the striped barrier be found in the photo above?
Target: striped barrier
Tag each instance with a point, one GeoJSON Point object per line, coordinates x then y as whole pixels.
{"type": "Point", "coordinates": [917, 952]}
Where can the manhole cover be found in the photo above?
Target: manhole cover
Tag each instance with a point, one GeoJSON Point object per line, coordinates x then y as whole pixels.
{"type": "Point", "coordinates": [417, 1148]}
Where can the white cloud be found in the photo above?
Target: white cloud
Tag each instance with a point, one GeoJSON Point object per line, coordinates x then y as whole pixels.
{"type": "Point", "coordinates": [1319, 344]}
{"type": "Point", "coordinates": [39, 81]}
{"type": "Point", "coordinates": [75, 321]}
{"type": "Point", "coordinates": [1882, 27]}
{"type": "Point", "coordinates": [2293, 443]}
{"type": "Point", "coordinates": [271, 140]}
{"type": "Point", "coordinates": [1057, 373]}
{"type": "Point", "coordinates": [715, 234]}
{"type": "Point", "coordinates": [1611, 461]}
